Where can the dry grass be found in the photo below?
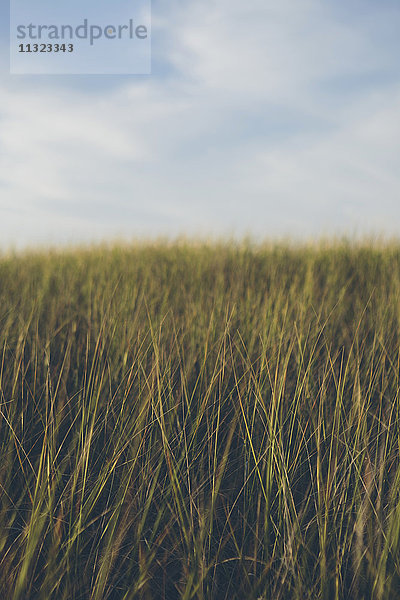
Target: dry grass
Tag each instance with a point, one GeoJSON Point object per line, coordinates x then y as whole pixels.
{"type": "Point", "coordinates": [200, 422]}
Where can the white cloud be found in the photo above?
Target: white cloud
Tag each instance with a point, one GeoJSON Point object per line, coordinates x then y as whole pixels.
{"type": "Point", "coordinates": [252, 130]}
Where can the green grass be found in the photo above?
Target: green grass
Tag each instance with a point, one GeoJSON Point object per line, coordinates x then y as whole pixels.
{"type": "Point", "coordinates": [200, 422]}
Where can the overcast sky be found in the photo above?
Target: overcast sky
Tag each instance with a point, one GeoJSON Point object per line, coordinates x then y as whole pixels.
{"type": "Point", "coordinates": [264, 117]}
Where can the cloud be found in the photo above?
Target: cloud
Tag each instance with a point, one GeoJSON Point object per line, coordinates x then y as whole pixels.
{"type": "Point", "coordinates": [250, 123]}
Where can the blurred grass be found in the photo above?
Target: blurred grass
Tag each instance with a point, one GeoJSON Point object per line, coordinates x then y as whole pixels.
{"type": "Point", "coordinates": [200, 422]}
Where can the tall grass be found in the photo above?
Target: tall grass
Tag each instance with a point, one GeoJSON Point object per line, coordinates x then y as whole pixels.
{"type": "Point", "coordinates": [200, 422]}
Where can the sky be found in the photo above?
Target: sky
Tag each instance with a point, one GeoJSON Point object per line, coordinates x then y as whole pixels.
{"type": "Point", "coordinates": [264, 118]}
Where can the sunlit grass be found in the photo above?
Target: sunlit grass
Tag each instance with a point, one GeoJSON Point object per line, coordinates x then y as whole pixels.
{"type": "Point", "coordinates": [200, 422]}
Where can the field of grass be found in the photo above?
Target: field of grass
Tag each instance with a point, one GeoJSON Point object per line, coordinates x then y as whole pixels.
{"type": "Point", "coordinates": [200, 422]}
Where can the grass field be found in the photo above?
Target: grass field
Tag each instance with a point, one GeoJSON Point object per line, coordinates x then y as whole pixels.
{"type": "Point", "coordinates": [200, 422]}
